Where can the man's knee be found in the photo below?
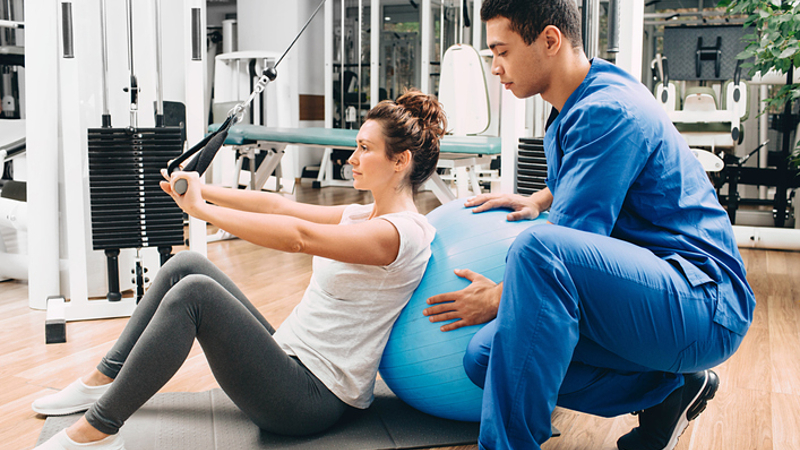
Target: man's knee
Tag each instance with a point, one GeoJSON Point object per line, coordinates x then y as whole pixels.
{"type": "Point", "coordinates": [538, 240]}
{"type": "Point", "coordinates": [476, 358]}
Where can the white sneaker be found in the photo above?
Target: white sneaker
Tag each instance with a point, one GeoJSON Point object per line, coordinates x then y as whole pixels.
{"type": "Point", "coordinates": [60, 441]}
{"type": "Point", "coordinates": [74, 398]}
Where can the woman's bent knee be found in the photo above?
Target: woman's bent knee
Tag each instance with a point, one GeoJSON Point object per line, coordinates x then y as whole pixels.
{"type": "Point", "coordinates": [183, 264]}
{"type": "Point", "coordinates": [192, 288]}
{"type": "Point", "coordinates": [185, 260]}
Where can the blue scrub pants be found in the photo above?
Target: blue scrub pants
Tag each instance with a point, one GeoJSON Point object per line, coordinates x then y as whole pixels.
{"type": "Point", "coordinates": [589, 323]}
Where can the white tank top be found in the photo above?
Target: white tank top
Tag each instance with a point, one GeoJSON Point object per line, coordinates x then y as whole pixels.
{"type": "Point", "coordinates": [340, 327]}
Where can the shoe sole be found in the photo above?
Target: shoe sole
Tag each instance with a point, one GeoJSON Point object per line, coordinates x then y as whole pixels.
{"type": "Point", "coordinates": [696, 406]}
{"type": "Point", "coordinates": [63, 411]}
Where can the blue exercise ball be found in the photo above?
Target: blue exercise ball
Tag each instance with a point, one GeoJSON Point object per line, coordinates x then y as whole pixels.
{"type": "Point", "coordinates": [422, 365]}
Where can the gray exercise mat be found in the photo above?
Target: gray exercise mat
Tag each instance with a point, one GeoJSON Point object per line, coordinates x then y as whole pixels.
{"type": "Point", "coordinates": [209, 420]}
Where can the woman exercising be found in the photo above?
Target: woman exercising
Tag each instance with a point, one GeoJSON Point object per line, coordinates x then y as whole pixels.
{"type": "Point", "coordinates": [324, 358]}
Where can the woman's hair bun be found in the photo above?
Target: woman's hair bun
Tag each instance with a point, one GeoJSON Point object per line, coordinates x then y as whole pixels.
{"type": "Point", "coordinates": [427, 109]}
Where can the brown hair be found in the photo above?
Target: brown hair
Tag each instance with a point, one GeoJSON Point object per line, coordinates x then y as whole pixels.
{"type": "Point", "coordinates": [414, 122]}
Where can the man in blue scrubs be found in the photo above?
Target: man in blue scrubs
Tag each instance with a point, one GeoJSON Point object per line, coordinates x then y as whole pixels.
{"type": "Point", "coordinates": [635, 290]}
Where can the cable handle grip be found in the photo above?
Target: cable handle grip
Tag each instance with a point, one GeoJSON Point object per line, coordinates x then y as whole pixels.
{"type": "Point", "coordinates": [206, 149]}
{"type": "Point", "coordinates": [200, 163]}
{"type": "Point", "coordinates": [181, 186]}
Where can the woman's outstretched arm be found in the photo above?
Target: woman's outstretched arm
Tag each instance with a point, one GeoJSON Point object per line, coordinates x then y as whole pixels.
{"type": "Point", "coordinates": [268, 203]}
{"type": "Point", "coordinates": [373, 242]}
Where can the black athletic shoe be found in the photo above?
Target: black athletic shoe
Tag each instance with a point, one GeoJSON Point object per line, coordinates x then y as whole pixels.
{"type": "Point", "coordinates": [661, 426]}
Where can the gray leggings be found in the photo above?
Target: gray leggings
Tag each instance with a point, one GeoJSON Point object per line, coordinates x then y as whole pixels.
{"type": "Point", "coordinates": [191, 298]}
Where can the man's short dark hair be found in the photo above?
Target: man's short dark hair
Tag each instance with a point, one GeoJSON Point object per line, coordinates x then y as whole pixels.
{"type": "Point", "coordinates": [530, 17]}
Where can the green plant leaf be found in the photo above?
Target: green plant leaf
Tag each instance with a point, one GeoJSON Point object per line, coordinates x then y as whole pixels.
{"type": "Point", "coordinates": [745, 54]}
{"type": "Point", "coordinates": [772, 44]}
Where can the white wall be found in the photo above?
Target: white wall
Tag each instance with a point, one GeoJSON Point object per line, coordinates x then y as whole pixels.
{"type": "Point", "coordinates": [312, 71]}
{"type": "Point", "coordinates": [271, 25]}
{"type": "Point", "coordinates": [311, 65]}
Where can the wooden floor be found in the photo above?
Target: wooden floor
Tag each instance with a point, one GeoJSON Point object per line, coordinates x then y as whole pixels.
{"type": "Point", "coordinates": [756, 408]}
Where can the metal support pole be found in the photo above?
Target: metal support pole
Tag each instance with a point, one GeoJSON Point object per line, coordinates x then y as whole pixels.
{"type": "Point", "coordinates": [763, 135]}
{"type": "Point", "coordinates": [328, 64]}
{"type": "Point", "coordinates": [631, 25]}
{"type": "Point", "coordinates": [104, 59]}
{"type": "Point", "coordinates": [781, 187]}
{"type": "Point", "coordinates": [342, 59]}
{"type": "Point", "coordinates": [441, 32]}
{"type": "Point", "coordinates": [591, 24]}
{"type": "Point", "coordinates": [425, 50]}
{"type": "Point", "coordinates": [12, 24]}
{"type": "Point", "coordinates": [477, 31]}
{"type": "Point", "coordinates": [159, 69]}
{"type": "Point", "coordinates": [42, 66]}
{"type": "Point", "coordinates": [374, 51]}
{"type": "Point", "coordinates": [195, 120]}
{"type": "Point", "coordinates": [613, 26]}
{"type": "Point", "coordinates": [360, 58]}
{"type": "Point", "coordinates": [460, 22]}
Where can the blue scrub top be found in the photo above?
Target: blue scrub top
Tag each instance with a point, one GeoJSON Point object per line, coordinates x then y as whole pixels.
{"type": "Point", "coordinates": [617, 166]}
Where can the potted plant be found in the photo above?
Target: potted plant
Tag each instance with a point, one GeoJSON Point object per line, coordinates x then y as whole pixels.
{"type": "Point", "coordinates": [775, 45]}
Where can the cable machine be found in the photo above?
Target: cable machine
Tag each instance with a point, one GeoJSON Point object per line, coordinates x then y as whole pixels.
{"type": "Point", "coordinates": [67, 179]}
